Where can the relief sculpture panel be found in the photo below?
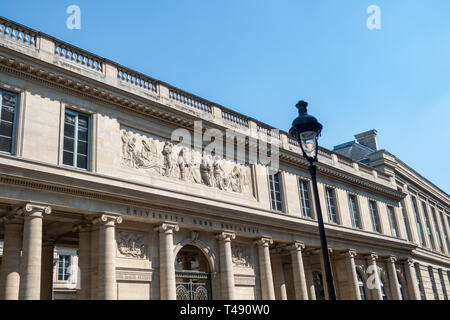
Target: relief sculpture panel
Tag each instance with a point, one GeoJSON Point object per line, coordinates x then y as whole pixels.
{"type": "Point", "coordinates": [154, 156]}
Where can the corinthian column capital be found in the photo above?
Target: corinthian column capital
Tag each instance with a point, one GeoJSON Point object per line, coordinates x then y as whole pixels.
{"type": "Point", "coordinates": [167, 227]}
{"type": "Point", "coordinates": [372, 257]}
{"type": "Point", "coordinates": [226, 236]}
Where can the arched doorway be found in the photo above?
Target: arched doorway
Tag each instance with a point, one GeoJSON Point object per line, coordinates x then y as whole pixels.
{"type": "Point", "coordinates": [193, 277]}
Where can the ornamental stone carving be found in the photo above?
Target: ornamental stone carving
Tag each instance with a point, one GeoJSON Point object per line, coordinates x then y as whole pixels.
{"type": "Point", "coordinates": [143, 152]}
{"type": "Point", "coordinates": [132, 245]}
{"type": "Point", "coordinates": [241, 256]}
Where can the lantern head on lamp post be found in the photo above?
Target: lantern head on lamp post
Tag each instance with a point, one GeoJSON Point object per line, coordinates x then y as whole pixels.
{"type": "Point", "coordinates": [306, 130]}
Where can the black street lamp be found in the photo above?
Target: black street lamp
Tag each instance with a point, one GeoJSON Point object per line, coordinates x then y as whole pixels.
{"type": "Point", "coordinates": [306, 130]}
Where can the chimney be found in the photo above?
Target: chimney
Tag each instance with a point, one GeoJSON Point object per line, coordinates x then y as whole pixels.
{"type": "Point", "coordinates": [368, 139]}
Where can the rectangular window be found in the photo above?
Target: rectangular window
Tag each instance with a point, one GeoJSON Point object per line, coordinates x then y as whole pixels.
{"type": "Point", "coordinates": [418, 222]}
{"type": "Point", "coordinates": [427, 221]}
{"type": "Point", "coordinates": [64, 268]}
{"type": "Point", "coordinates": [392, 221]}
{"type": "Point", "coordinates": [405, 220]}
{"type": "Point", "coordinates": [374, 215]}
{"type": "Point", "coordinates": [438, 234]}
{"type": "Point", "coordinates": [304, 197]}
{"type": "Point", "coordinates": [76, 139]}
{"type": "Point", "coordinates": [444, 230]}
{"type": "Point", "coordinates": [275, 191]}
{"type": "Point", "coordinates": [433, 283]}
{"type": "Point", "coordinates": [8, 115]}
{"type": "Point", "coordinates": [331, 205]}
{"type": "Point", "coordinates": [354, 211]}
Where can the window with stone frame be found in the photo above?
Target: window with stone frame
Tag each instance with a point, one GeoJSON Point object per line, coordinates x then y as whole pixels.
{"type": "Point", "coordinates": [331, 205]}
{"type": "Point", "coordinates": [374, 215]}
{"type": "Point", "coordinates": [76, 139]}
{"type": "Point", "coordinates": [392, 221]}
{"type": "Point", "coordinates": [428, 224]}
{"type": "Point", "coordinates": [418, 222]}
{"type": "Point", "coordinates": [444, 230]}
{"type": "Point", "coordinates": [436, 226]}
{"type": "Point", "coordinates": [64, 265]}
{"type": "Point", "coordinates": [8, 116]}
{"type": "Point", "coordinates": [305, 198]}
{"type": "Point", "coordinates": [275, 191]}
{"type": "Point", "coordinates": [354, 211]}
{"type": "Point", "coordinates": [406, 220]}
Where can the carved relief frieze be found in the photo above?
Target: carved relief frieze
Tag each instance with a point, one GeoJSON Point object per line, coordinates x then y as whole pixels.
{"type": "Point", "coordinates": [132, 245]}
{"type": "Point", "coordinates": [154, 156]}
{"type": "Point", "coordinates": [241, 256]}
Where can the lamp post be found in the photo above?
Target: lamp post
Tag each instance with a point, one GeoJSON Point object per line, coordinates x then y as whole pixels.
{"type": "Point", "coordinates": [306, 130]}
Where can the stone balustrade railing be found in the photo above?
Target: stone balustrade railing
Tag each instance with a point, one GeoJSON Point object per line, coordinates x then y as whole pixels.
{"type": "Point", "coordinates": [48, 47]}
{"type": "Point", "coordinates": [189, 100]}
{"type": "Point", "coordinates": [293, 142]}
{"type": "Point", "coordinates": [235, 118]}
{"type": "Point", "coordinates": [78, 56]}
{"type": "Point", "coordinates": [17, 32]}
{"type": "Point", "coordinates": [137, 79]}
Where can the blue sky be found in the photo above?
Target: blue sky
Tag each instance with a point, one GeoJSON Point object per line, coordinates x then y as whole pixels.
{"type": "Point", "coordinates": [260, 57]}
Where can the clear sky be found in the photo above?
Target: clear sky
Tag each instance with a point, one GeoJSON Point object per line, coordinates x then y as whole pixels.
{"type": "Point", "coordinates": [260, 57]}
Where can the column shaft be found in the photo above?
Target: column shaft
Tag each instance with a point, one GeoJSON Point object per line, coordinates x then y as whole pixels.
{"type": "Point", "coordinates": [395, 288]}
{"type": "Point", "coordinates": [352, 276]}
{"type": "Point", "coordinates": [84, 263]}
{"type": "Point", "coordinates": [166, 261]}
{"type": "Point", "coordinates": [226, 265]}
{"type": "Point", "coordinates": [47, 271]}
{"type": "Point", "coordinates": [30, 275]}
{"type": "Point", "coordinates": [301, 290]}
{"type": "Point", "coordinates": [10, 268]}
{"type": "Point", "coordinates": [279, 281]}
{"type": "Point", "coordinates": [377, 292]}
{"type": "Point", "coordinates": [265, 269]}
{"type": "Point", "coordinates": [107, 288]}
{"type": "Point", "coordinates": [414, 292]}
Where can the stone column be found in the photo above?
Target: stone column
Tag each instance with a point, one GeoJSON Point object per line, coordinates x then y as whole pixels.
{"type": "Point", "coordinates": [279, 281]}
{"type": "Point", "coordinates": [84, 261]}
{"type": "Point", "coordinates": [94, 261]}
{"type": "Point", "coordinates": [413, 287]}
{"type": "Point", "coordinates": [351, 274]}
{"type": "Point", "coordinates": [377, 293]}
{"type": "Point", "coordinates": [166, 261]}
{"type": "Point", "coordinates": [10, 268]}
{"type": "Point", "coordinates": [393, 279]}
{"type": "Point", "coordinates": [301, 290]}
{"type": "Point", "coordinates": [226, 265]}
{"type": "Point", "coordinates": [310, 284]}
{"type": "Point", "coordinates": [265, 268]}
{"type": "Point", "coordinates": [107, 285]}
{"type": "Point", "coordinates": [48, 249]}
{"type": "Point", "coordinates": [30, 268]}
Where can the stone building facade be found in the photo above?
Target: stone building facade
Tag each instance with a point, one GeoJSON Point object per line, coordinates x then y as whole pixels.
{"type": "Point", "coordinates": [88, 165]}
